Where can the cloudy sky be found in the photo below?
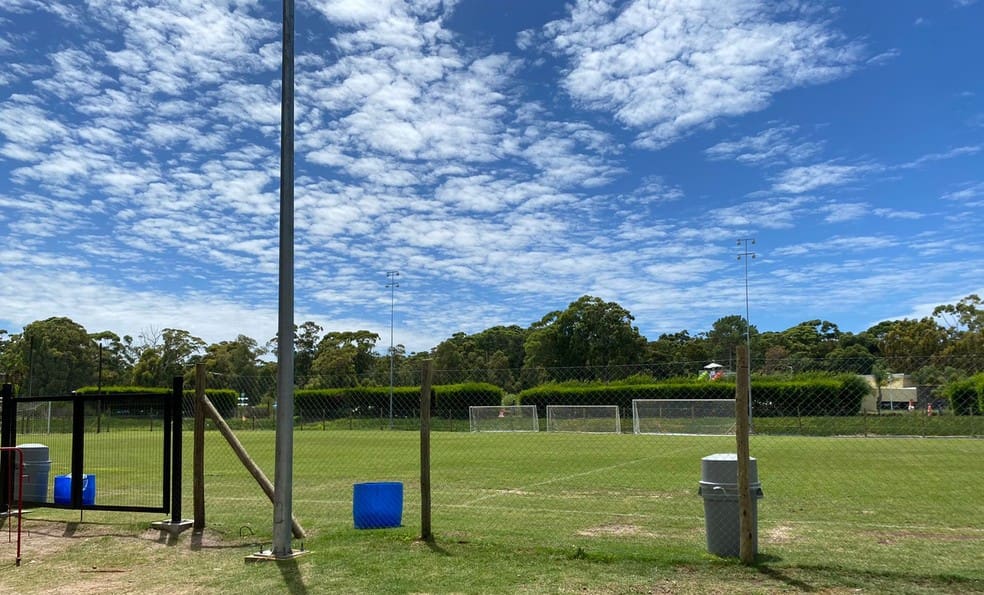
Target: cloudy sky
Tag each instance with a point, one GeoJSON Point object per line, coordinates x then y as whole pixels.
{"type": "Point", "coordinates": [505, 157]}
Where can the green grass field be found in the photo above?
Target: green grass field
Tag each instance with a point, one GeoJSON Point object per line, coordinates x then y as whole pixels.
{"type": "Point", "coordinates": [549, 512]}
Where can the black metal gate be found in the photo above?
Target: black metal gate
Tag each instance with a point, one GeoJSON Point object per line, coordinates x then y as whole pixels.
{"type": "Point", "coordinates": [130, 443]}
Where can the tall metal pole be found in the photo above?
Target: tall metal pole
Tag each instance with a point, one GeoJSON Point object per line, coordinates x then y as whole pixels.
{"type": "Point", "coordinates": [745, 255]}
{"type": "Point", "coordinates": [283, 472]}
{"type": "Point", "coordinates": [99, 389]}
{"type": "Point", "coordinates": [392, 284]}
{"type": "Point", "coordinates": [99, 382]}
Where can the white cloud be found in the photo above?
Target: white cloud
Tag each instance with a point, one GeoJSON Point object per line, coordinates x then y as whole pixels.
{"type": "Point", "coordinates": [839, 212]}
{"type": "Point", "coordinates": [28, 128]}
{"type": "Point", "coordinates": [837, 245]}
{"type": "Point", "coordinates": [898, 214]}
{"type": "Point", "coordinates": [970, 194]}
{"type": "Point", "coordinates": [929, 158]}
{"type": "Point", "coordinates": [772, 213]}
{"type": "Point", "coordinates": [771, 146]}
{"type": "Point", "coordinates": [801, 179]}
{"type": "Point", "coordinates": [665, 68]}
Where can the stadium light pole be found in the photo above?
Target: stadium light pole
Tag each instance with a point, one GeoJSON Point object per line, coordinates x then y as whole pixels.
{"type": "Point", "coordinates": [392, 285]}
{"type": "Point", "coordinates": [745, 255]}
{"type": "Point", "coordinates": [99, 386]}
{"type": "Point", "coordinates": [284, 456]}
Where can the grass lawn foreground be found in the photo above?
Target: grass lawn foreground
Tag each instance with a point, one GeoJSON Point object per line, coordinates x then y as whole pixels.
{"type": "Point", "coordinates": [538, 513]}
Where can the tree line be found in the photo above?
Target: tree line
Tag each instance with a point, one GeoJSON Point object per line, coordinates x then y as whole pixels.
{"type": "Point", "coordinates": [589, 340]}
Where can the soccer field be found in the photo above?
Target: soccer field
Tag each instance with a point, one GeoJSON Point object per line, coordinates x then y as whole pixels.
{"type": "Point", "coordinates": [513, 509]}
{"type": "Point", "coordinates": [634, 492]}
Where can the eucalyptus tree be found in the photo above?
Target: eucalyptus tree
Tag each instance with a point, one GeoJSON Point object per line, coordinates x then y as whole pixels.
{"type": "Point", "coordinates": [910, 344]}
{"type": "Point", "coordinates": [964, 322]}
{"type": "Point", "coordinates": [344, 357]}
{"type": "Point", "coordinates": [166, 354]}
{"type": "Point", "coordinates": [590, 333]}
{"type": "Point", "coordinates": [51, 356]}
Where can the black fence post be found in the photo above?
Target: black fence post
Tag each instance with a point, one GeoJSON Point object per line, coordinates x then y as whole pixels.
{"type": "Point", "coordinates": [78, 449]}
{"type": "Point", "coordinates": [7, 426]}
{"type": "Point", "coordinates": [168, 450]}
{"type": "Point", "coordinates": [177, 396]}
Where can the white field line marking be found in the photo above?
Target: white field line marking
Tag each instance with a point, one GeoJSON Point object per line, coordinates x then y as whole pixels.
{"type": "Point", "coordinates": [556, 479]}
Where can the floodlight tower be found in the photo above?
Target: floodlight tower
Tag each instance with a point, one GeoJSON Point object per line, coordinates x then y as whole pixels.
{"type": "Point", "coordinates": [392, 285]}
{"type": "Point", "coordinates": [283, 479]}
{"type": "Point", "coordinates": [746, 255]}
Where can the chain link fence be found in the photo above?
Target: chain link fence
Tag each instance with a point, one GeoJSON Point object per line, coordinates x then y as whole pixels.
{"type": "Point", "coordinates": [615, 453]}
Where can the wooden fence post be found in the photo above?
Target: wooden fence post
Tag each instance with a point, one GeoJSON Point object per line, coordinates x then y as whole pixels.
{"type": "Point", "coordinates": [746, 544]}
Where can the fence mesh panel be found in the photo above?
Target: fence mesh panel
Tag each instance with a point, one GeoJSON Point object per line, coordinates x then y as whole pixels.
{"type": "Point", "coordinates": [843, 459]}
{"type": "Point", "coordinates": [123, 454]}
{"type": "Point", "coordinates": [837, 453]}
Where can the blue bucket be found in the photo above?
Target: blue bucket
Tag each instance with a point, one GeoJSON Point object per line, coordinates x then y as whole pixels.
{"type": "Point", "coordinates": [63, 489]}
{"type": "Point", "coordinates": [377, 504]}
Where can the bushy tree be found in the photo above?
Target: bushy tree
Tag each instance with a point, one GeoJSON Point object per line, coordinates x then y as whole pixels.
{"type": "Point", "coordinates": [726, 334]}
{"type": "Point", "coordinates": [590, 332]}
{"type": "Point", "coordinates": [964, 322]}
{"type": "Point", "coordinates": [911, 344]}
{"type": "Point", "coordinates": [166, 354]}
{"type": "Point", "coordinates": [343, 357]}
{"type": "Point", "coordinates": [494, 355]}
{"type": "Point", "coordinates": [677, 354]}
{"type": "Point", "coordinates": [52, 356]}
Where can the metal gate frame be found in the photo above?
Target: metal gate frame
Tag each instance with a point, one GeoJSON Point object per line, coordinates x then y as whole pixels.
{"type": "Point", "coordinates": [172, 463]}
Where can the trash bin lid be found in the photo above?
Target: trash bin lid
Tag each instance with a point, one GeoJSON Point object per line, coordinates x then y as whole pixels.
{"type": "Point", "coordinates": [34, 453]}
{"type": "Point", "coordinates": [722, 468]}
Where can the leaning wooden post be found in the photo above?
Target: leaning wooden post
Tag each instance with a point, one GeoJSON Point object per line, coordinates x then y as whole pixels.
{"type": "Point", "coordinates": [244, 458]}
{"type": "Point", "coordinates": [746, 544]}
{"type": "Point", "coordinates": [425, 477]}
{"type": "Point", "coordinates": [198, 456]}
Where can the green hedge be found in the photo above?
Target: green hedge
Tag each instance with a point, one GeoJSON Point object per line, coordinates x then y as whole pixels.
{"type": "Point", "coordinates": [448, 401]}
{"type": "Point", "coordinates": [225, 400]}
{"type": "Point", "coordinates": [621, 394]}
{"type": "Point", "coordinates": [816, 394]}
{"type": "Point", "coordinates": [813, 395]}
{"type": "Point", "coordinates": [966, 397]}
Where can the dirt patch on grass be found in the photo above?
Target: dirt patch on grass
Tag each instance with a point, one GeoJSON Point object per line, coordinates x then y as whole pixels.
{"type": "Point", "coordinates": [616, 530]}
{"type": "Point", "coordinates": [779, 534]}
{"type": "Point", "coordinates": [89, 557]}
{"type": "Point", "coordinates": [894, 537]}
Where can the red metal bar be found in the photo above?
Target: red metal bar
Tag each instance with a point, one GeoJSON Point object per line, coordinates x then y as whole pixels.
{"type": "Point", "coordinates": [11, 452]}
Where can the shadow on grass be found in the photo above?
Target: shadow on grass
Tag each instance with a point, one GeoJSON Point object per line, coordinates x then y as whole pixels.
{"type": "Point", "coordinates": [824, 577]}
{"type": "Point", "coordinates": [784, 578]}
{"type": "Point", "coordinates": [84, 530]}
{"type": "Point", "coordinates": [292, 577]}
{"type": "Point", "coordinates": [434, 547]}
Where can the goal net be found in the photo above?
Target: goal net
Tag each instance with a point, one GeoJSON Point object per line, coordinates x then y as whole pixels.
{"type": "Point", "coordinates": [507, 418]}
{"type": "Point", "coordinates": [713, 417]}
{"type": "Point", "coordinates": [33, 418]}
{"type": "Point", "coordinates": [584, 418]}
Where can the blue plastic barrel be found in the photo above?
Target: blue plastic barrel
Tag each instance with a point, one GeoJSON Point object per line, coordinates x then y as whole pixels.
{"type": "Point", "coordinates": [63, 489]}
{"type": "Point", "coordinates": [377, 504]}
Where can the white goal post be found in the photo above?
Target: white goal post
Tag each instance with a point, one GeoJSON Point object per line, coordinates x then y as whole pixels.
{"type": "Point", "coordinates": [707, 417]}
{"type": "Point", "coordinates": [505, 418]}
{"type": "Point", "coordinates": [584, 418]}
{"type": "Point", "coordinates": [34, 418]}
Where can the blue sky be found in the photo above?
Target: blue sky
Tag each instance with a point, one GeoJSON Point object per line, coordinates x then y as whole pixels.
{"type": "Point", "coordinates": [506, 157]}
